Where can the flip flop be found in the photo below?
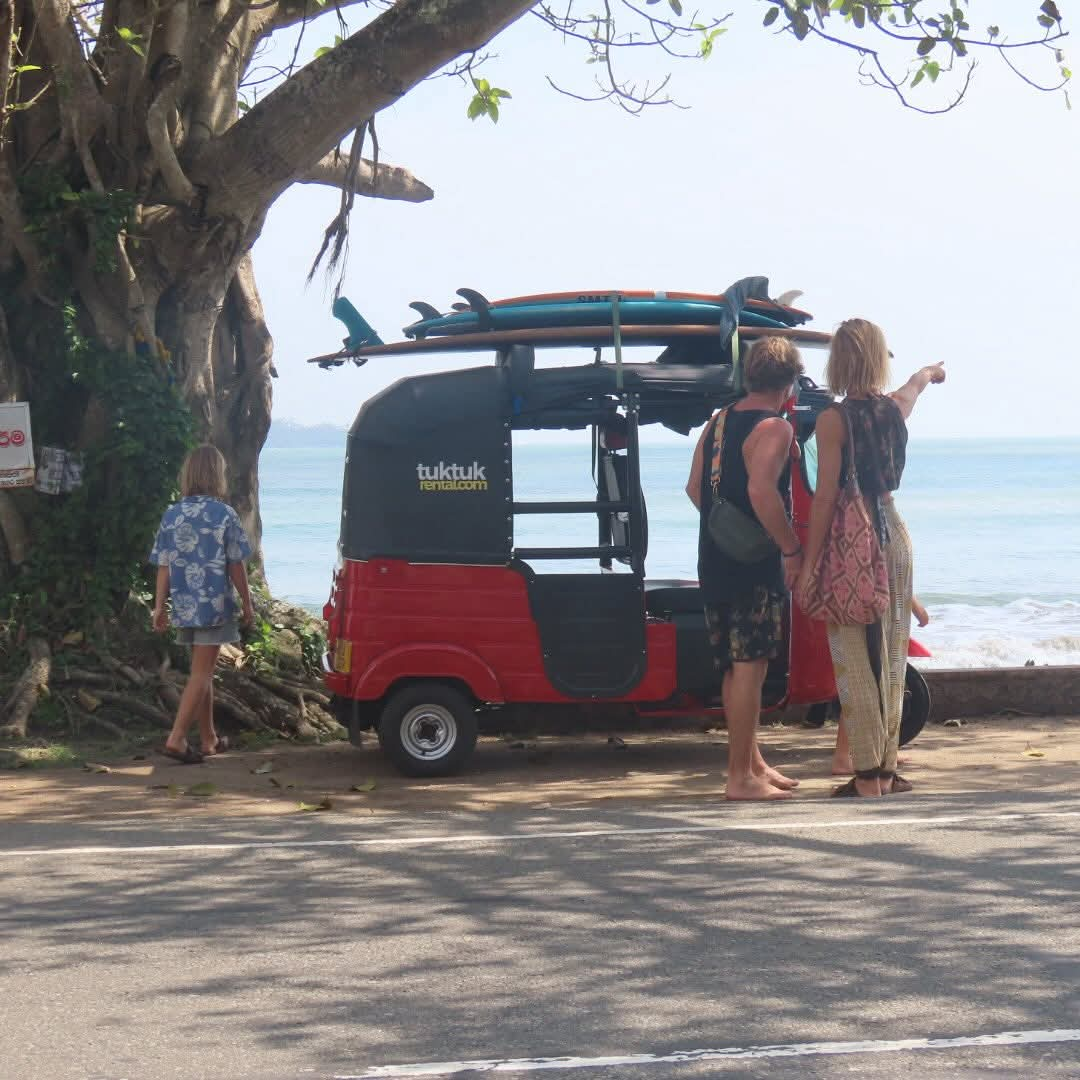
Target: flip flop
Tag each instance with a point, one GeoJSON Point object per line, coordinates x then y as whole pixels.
{"type": "Point", "coordinates": [849, 791]}
{"type": "Point", "coordinates": [187, 756]}
{"type": "Point", "coordinates": [220, 747]}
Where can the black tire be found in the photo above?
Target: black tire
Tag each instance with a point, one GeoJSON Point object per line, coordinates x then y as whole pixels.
{"type": "Point", "coordinates": [916, 705]}
{"type": "Point", "coordinates": [428, 729]}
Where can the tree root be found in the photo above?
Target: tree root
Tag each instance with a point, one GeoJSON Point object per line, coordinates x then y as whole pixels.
{"type": "Point", "coordinates": [33, 682]}
{"type": "Point", "coordinates": [134, 705]}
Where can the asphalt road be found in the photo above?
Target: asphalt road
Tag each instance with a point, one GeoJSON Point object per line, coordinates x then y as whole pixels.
{"type": "Point", "coordinates": [817, 938]}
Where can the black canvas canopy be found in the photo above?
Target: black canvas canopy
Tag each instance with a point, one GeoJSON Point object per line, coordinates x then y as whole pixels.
{"type": "Point", "coordinates": [428, 473]}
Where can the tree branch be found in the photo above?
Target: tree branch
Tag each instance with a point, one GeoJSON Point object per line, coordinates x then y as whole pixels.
{"type": "Point", "coordinates": [179, 186]}
{"type": "Point", "coordinates": [80, 92]}
{"type": "Point", "coordinates": [307, 116]}
{"type": "Point", "coordinates": [386, 182]}
{"type": "Point", "coordinates": [281, 14]}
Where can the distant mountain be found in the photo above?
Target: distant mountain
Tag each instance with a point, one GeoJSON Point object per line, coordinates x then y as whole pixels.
{"type": "Point", "coordinates": [286, 434]}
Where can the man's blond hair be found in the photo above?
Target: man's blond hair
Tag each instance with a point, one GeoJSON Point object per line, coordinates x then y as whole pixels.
{"type": "Point", "coordinates": [858, 359]}
{"type": "Point", "coordinates": [203, 473]}
{"type": "Point", "coordinates": [773, 363]}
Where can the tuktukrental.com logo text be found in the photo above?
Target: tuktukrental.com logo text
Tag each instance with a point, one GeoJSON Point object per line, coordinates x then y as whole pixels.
{"type": "Point", "coordinates": [448, 476]}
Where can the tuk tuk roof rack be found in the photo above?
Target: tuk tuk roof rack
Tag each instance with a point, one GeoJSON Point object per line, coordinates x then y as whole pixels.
{"type": "Point", "coordinates": [557, 337]}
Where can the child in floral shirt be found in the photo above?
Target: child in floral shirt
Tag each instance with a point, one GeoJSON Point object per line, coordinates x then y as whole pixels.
{"type": "Point", "coordinates": [199, 552]}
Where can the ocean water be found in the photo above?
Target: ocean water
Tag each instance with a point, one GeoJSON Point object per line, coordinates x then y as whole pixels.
{"type": "Point", "coordinates": [995, 526]}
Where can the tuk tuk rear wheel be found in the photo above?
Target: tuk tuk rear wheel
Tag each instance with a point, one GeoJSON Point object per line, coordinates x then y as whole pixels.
{"type": "Point", "coordinates": [916, 705]}
{"type": "Point", "coordinates": [428, 729]}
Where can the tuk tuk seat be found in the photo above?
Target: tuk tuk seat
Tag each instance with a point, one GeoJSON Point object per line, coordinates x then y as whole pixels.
{"type": "Point", "coordinates": [665, 597]}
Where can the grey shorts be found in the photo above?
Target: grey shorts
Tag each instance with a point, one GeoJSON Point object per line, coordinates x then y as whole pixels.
{"type": "Point", "coordinates": [226, 634]}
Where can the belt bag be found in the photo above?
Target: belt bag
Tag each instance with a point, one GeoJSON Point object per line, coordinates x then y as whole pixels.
{"type": "Point", "coordinates": [734, 532]}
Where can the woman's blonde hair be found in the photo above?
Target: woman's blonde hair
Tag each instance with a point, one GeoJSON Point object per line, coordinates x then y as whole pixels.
{"type": "Point", "coordinates": [772, 364]}
{"type": "Point", "coordinates": [858, 359]}
{"type": "Point", "coordinates": [203, 473]}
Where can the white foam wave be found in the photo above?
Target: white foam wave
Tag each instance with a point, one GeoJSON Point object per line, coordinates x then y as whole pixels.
{"type": "Point", "coordinates": [1006, 635]}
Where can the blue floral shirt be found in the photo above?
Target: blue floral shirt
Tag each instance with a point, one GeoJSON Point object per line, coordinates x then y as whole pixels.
{"type": "Point", "coordinates": [197, 540]}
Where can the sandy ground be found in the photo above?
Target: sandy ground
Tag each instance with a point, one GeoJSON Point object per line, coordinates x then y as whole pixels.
{"type": "Point", "coordinates": [1000, 754]}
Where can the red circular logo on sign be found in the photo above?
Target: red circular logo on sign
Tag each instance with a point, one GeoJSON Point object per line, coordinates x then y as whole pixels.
{"type": "Point", "coordinates": [17, 438]}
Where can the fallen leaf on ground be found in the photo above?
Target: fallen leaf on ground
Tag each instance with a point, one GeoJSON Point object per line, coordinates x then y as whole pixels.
{"type": "Point", "coordinates": [87, 700]}
{"type": "Point", "coordinates": [74, 638]}
{"type": "Point", "coordinates": [202, 790]}
{"type": "Point", "coordinates": [277, 783]}
{"type": "Point", "coordinates": [264, 768]}
{"type": "Point", "coordinates": [91, 766]}
{"type": "Point", "coordinates": [326, 804]}
{"type": "Point", "coordinates": [614, 740]}
{"type": "Point", "coordinates": [367, 785]}
{"type": "Point", "coordinates": [955, 722]}
{"type": "Point", "coordinates": [1029, 752]}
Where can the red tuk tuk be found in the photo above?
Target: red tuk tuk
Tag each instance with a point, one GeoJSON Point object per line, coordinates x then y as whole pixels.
{"type": "Point", "coordinates": [440, 623]}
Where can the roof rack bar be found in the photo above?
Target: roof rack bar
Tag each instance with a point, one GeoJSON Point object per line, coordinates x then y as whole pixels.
{"type": "Point", "coordinates": [588, 506]}
{"type": "Point", "coordinates": [603, 552]}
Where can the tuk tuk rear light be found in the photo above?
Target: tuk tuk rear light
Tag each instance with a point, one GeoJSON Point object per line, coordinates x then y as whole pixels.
{"type": "Point", "coordinates": [343, 656]}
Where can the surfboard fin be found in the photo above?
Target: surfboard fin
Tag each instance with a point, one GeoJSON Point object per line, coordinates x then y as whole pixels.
{"type": "Point", "coordinates": [478, 304]}
{"type": "Point", "coordinates": [789, 298]}
{"type": "Point", "coordinates": [360, 331]}
{"type": "Point", "coordinates": [425, 311]}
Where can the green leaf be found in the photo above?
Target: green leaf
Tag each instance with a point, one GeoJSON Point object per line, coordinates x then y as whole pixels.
{"type": "Point", "coordinates": [26, 67]}
{"type": "Point", "coordinates": [859, 15]}
{"type": "Point", "coordinates": [919, 75]}
{"type": "Point", "coordinates": [477, 107]}
{"type": "Point", "coordinates": [676, 6]}
{"type": "Point", "coordinates": [367, 785]}
{"type": "Point", "coordinates": [771, 16]}
{"type": "Point", "coordinates": [926, 46]}
{"type": "Point", "coordinates": [314, 808]}
{"type": "Point", "coordinates": [1050, 10]}
{"type": "Point", "coordinates": [202, 790]}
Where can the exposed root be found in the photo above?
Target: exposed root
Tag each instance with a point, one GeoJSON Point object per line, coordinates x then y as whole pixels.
{"type": "Point", "coordinates": [33, 682]}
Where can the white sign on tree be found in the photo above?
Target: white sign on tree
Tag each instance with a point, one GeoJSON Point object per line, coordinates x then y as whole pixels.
{"type": "Point", "coordinates": [16, 447]}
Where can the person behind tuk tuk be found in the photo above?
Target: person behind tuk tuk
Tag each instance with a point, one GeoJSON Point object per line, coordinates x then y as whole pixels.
{"type": "Point", "coordinates": [869, 661]}
{"type": "Point", "coordinates": [744, 601]}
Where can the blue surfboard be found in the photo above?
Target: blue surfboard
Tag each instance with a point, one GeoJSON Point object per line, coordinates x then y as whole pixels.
{"type": "Point", "coordinates": [631, 313]}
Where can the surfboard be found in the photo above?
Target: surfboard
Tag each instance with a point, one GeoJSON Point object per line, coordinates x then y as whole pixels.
{"type": "Point", "coordinates": [586, 313]}
{"type": "Point", "coordinates": [560, 337]}
{"type": "Point", "coordinates": [791, 316]}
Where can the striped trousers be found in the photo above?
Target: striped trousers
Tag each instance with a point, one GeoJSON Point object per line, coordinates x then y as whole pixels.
{"type": "Point", "coordinates": [870, 663]}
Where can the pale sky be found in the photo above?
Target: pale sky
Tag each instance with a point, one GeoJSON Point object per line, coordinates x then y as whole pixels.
{"type": "Point", "coordinates": [956, 233]}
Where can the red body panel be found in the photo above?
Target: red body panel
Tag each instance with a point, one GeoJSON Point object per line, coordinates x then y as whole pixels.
{"type": "Point", "coordinates": [474, 624]}
{"type": "Point", "coordinates": [471, 623]}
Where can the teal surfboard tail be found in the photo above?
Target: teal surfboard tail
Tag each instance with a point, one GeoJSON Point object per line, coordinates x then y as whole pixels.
{"type": "Point", "coordinates": [360, 330]}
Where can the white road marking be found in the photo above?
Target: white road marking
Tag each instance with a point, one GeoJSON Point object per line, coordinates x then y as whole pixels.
{"type": "Point", "coordinates": [729, 1053]}
{"type": "Point", "coordinates": [484, 839]}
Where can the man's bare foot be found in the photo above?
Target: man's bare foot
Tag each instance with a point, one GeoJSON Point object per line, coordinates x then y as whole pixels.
{"type": "Point", "coordinates": [754, 788]}
{"type": "Point", "coordinates": [776, 778]}
{"type": "Point", "coordinates": [841, 765]}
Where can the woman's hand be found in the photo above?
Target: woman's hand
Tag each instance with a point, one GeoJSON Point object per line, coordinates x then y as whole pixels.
{"type": "Point", "coordinates": [802, 584]}
{"type": "Point", "coordinates": [247, 616]}
{"type": "Point", "coordinates": [161, 620]}
{"type": "Point", "coordinates": [793, 565]}
{"type": "Point", "coordinates": [920, 613]}
{"type": "Point", "coordinates": [936, 373]}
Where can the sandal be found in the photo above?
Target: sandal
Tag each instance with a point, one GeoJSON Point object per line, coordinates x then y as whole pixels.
{"type": "Point", "coordinates": [188, 756]}
{"type": "Point", "coordinates": [220, 747]}
{"type": "Point", "coordinates": [900, 785]}
{"type": "Point", "coordinates": [848, 791]}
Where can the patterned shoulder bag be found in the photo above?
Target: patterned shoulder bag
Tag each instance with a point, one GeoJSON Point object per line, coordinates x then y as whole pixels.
{"type": "Point", "coordinates": [849, 584]}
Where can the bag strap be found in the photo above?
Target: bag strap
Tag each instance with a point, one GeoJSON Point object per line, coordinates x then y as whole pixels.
{"type": "Point", "coordinates": [852, 469]}
{"type": "Point", "coordinates": [716, 453]}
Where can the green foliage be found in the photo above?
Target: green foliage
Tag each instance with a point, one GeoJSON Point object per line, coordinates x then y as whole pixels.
{"type": "Point", "coordinates": [90, 545]}
{"type": "Point", "coordinates": [486, 100]}
{"type": "Point", "coordinates": [53, 208]}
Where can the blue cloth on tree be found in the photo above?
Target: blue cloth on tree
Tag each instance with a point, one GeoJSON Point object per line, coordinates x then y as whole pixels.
{"type": "Point", "coordinates": [197, 540]}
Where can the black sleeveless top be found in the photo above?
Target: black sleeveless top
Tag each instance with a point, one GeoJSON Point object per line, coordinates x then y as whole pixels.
{"type": "Point", "coordinates": [722, 579]}
{"type": "Point", "coordinates": [880, 443]}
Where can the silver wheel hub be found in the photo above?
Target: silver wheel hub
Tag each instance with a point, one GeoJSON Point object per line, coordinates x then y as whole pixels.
{"type": "Point", "coordinates": [429, 732]}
